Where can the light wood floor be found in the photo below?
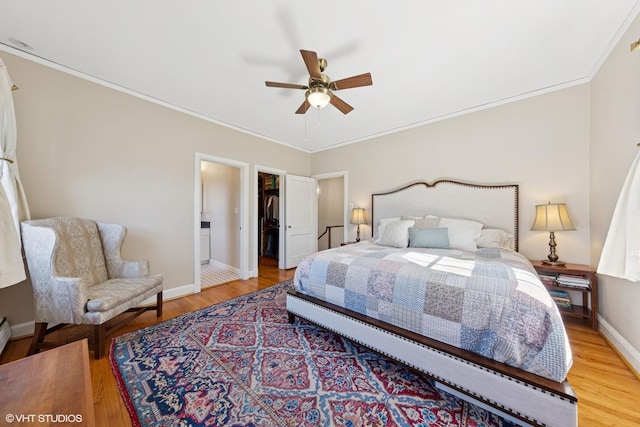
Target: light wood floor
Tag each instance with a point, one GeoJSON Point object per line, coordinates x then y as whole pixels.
{"type": "Point", "coordinates": [608, 392]}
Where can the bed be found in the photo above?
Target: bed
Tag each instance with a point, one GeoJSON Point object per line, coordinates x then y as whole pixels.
{"type": "Point", "coordinates": [460, 304]}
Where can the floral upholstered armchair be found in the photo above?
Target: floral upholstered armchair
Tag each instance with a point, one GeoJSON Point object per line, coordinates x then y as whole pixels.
{"type": "Point", "coordinates": [79, 277]}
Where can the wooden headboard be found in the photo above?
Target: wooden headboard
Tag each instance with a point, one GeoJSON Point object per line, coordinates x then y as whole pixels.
{"type": "Point", "coordinates": [496, 206]}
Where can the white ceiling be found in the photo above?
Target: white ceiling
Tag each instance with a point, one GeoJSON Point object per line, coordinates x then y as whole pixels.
{"type": "Point", "coordinates": [429, 59]}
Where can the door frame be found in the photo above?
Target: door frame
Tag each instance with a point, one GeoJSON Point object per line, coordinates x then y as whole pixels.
{"type": "Point", "coordinates": [244, 220]}
{"type": "Point", "coordinates": [345, 191]}
{"type": "Point", "coordinates": [254, 251]}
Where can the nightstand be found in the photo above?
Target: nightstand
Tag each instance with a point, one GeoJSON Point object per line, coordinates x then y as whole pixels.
{"type": "Point", "coordinates": [572, 278]}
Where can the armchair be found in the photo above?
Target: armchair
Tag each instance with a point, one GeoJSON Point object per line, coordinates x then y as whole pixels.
{"type": "Point", "coordinates": [79, 277]}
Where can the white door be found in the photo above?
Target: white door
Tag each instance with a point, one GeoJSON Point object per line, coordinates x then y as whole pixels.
{"type": "Point", "coordinates": [301, 218]}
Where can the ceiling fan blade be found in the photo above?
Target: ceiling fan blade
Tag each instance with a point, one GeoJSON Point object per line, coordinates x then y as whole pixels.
{"type": "Point", "coordinates": [286, 85]}
{"type": "Point", "coordinates": [341, 105]}
{"type": "Point", "coordinates": [311, 61]}
{"type": "Point", "coordinates": [303, 108]}
{"type": "Point", "coordinates": [354, 81]}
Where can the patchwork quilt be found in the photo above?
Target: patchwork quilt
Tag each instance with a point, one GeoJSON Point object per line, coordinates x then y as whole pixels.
{"type": "Point", "coordinates": [489, 301]}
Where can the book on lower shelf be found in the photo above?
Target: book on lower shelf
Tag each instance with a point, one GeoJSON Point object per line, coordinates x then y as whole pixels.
{"type": "Point", "coordinates": [561, 298]}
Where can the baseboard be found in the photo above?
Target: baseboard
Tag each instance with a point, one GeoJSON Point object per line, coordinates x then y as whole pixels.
{"type": "Point", "coordinates": [225, 266]}
{"type": "Point", "coordinates": [26, 329]}
{"type": "Point", "coordinates": [172, 293]}
{"type": "Point", "coordinates": [22, 329]}
{"type": "Point", "coordinates": [625, 350]}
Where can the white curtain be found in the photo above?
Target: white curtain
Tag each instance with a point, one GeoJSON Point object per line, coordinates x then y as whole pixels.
{"type": "Point", "coordinates": [621, 252]}
{"type": "Point", "coordinates": [13, 203]}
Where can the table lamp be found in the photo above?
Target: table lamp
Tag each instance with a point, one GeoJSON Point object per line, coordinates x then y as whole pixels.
{"type": "Point", "coordinates": [552, 217]}
{"type": "Point", "coordinates": [358, 216]}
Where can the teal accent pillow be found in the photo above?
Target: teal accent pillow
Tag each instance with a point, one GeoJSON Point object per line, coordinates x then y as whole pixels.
{"type": "Point", "coordinates": [429, 238]}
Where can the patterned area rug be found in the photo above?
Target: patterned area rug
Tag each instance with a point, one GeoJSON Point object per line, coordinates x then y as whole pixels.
{"type": "Point", "coordinates": [240, 363]}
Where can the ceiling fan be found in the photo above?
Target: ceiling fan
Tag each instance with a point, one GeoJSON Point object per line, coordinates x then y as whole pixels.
{"type": "Point", "coordinates": [320, 88]}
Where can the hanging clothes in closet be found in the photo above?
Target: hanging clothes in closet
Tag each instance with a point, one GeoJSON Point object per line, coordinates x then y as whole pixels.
{"type": "Point", "coordinates": [271, 205]}
{"type": "Point", "coordinates": [271, 224]}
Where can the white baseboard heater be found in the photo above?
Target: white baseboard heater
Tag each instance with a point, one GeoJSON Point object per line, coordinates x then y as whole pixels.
{"type": "Point", "coordinates": [5, 333]}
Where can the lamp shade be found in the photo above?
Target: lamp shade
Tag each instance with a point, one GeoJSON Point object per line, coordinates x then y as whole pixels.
{"type": "Point", "coordinates": [552, 217]}
{"type": "Point", "coordinates": [318, 97]}
{"type": "Point", "coordinates": [358, 216]}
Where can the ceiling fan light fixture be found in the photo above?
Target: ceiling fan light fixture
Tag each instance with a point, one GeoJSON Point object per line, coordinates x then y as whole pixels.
{"type": "Point", "coordinates": [318, 96]}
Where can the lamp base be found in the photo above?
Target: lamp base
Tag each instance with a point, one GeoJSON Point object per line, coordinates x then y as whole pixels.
{"type": "Point", "coordinates": [552, 258]}
{"type": "Point", "coordinates": [554, 263]}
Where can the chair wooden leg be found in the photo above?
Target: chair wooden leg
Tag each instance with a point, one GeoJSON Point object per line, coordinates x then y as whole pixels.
{"type": "Point", "coordinates": [38, 337]}
{"type": "Point", "coordinates": [98, 345]}
{"type": "Point", "coordinates": [159, 304]}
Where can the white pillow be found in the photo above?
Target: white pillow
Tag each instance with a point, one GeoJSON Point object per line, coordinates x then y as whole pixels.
{"type": "Point", "coordinates": [396, 234]}
{"type": "Point", "coordinates": [411, 217]}
{"type": "Point", "coordinates": [462, 233]}
{"type": "Point", "coordinates": [382, 224]}
{"type": "Point", "coordinates": [427, 222]}
{"type": "Point", "coordinates": [495, 238]}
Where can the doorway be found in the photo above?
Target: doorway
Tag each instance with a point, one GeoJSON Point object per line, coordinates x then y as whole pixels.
{"type": "Point", "coordinates": [220, 220]}
{"type": "Point", "coordinates": [332, 209]}
{"type": "Point", "coordinates": [219, 224]}
{"type": "Point", "coordinates": [268, 215]}
{"type": "Point", "coordinates": [340, 234]}
{"type": "Point", "coordinates": [269, 209]}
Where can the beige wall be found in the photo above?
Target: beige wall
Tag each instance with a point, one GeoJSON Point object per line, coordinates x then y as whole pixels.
{"type": "Point", "coordinates": [540, 143]}
{"type": "Point", "coordinates": [89, 151]}
{"type": "Point", "coordinates": [615, 130]}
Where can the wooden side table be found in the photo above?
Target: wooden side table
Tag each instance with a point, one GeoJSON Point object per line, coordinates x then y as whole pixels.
{"type": "Point", "coordinates": [51, 388]}
{"type": "Point", "coordinates": [589, 308]}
